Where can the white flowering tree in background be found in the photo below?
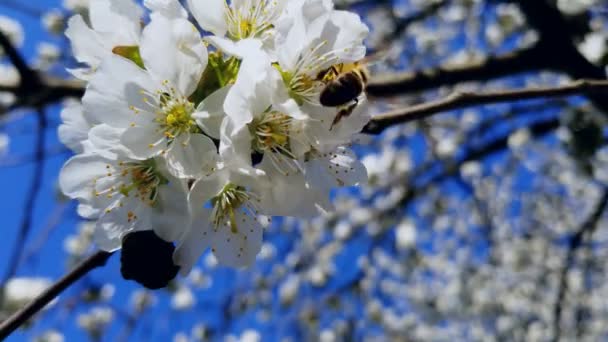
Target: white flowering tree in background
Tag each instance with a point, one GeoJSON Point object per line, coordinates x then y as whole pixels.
{"type": "Point", "coordinates": [308, 170]}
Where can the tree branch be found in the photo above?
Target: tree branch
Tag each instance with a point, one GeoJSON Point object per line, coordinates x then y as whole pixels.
{"type": "Point", "coordinates": [526, 60]}
{"type": "Point", "coordinates": [27, 74]}
{"type": "Point", "coordinates": [32, 194]}
{"type": "Point", "coordinates": [34, 89]}
{"type": "Point", "coordinates": [26, 313]}
{"type": "Point", "coordinates": [459, 100]}
{"type": "Point", "coordinates": [575, 241]}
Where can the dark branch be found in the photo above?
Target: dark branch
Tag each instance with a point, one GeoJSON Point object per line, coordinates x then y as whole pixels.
{"type": "Point", "coordinates": [26, 313]}
{"type": "Point", "coordinates": [575, 241]}
{"type": "Point", "coordinates": [32, 194]}
{"type": "Point", "coordinates": [28, 76]}
{"type": "Point", "coordinates": [459, 100]}
{"type": "Point", "coordinates": [530, 59]}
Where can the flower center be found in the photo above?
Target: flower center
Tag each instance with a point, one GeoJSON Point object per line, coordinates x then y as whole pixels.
{"type": "Point", "coordinates": [141, 179]}
{"type": "Point", "coordinates": [226, 204]}
{"type": "Point", "coordinates": [178, 115]}
{"type": "Point", "coordinates": [175, 114]}
{"type": "Point", "coordinates": [251, 19]}
{"type": "Point", "coordinates": [271, 133]}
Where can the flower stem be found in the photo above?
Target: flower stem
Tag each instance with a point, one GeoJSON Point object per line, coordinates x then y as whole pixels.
{"type": "Point", "coordinates": [11, 324]}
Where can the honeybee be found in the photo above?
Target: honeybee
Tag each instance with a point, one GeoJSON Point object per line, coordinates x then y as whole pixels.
{"type": "Point", "coordinates": [344, 83]}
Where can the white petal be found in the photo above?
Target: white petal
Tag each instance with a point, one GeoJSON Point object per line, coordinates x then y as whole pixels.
{"type": "Point", "coordinates": [205, 189]}
{"type": "Point", "coordinates": [77, 175]}
{"type": "Point", "coordinates": [335, 169]}
{"type": "Point", "coordinates": [87, 211]}
{"type": "Point", "coordinates": [171, 214]}
{"type": "Point", "coordinates": [87, 45]}
{"type": "Point", "coordinates": [172, 50]}
{"type": "Point", "coordinates": [144, 142]}
{"type": "Point", "coordinates": [291, 43]}
{"type": "Point", "coordinates": [253, 91]}
{"type": "Point", "coordinates": [74, 129]}
{"type": "Point", "coordinates": [105, 140]}
{"type": "Point", "coordinates": [168, 8]}
{"type": "Point", "coordinates": [193, 243]}
{"type": "Point", "coordinates": [235, 144]}
{"type": "Point", "coordinates": [124, 215]}
{"type": "Point", "coordinates": [119, 17]}
{"type": "Point", "coordinates": [239, 49]}
{"type": "Point", "coordinates": [210, 112]}
{"type": "Point", "coordinates": [191, 157]}
{"type": "Point", "coordinates": [106, 239]}
{"type": "Point", "coordinates": [352, 32]}
{"type": "Point", "coordinates": [116, 86]}
{"type": "Point", "coordinates": [238, 249]}
{"type": "Point", "coordinates": [210, 15]}
{"type": "Point", "coordinates": [279, 199]}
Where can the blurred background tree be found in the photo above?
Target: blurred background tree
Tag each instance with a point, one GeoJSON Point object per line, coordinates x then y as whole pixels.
{"type": "Point", "coordinates": [484, 217]}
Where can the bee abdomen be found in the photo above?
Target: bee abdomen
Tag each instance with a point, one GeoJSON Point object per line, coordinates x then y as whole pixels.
{"type": "Point", "coordinates": [342, 91]}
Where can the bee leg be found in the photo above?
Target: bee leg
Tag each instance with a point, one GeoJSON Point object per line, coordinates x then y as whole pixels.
{"type": "Point", "coordinates": [344, 112]}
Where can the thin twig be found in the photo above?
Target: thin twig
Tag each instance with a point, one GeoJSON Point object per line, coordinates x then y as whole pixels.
{"type": "Point", "coordinates": [459, 100]}
{"type": "Point", "coordinates": [52, 223]}
{"type": "Point", "coordinates": [516, 62]}
{"type": "Point", "coordinates": [32, 194]}
{"type": "Point", "coordinates": [575, 241]}
{"type": "Point", "coordinates": [26, 313]}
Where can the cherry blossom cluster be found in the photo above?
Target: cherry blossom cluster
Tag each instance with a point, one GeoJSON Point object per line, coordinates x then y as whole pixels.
{"type": "Point", "coordinates": [202, 137]}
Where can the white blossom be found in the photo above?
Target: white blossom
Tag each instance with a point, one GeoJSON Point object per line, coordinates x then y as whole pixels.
{"type": "Point", "coordinates": [202, 147]}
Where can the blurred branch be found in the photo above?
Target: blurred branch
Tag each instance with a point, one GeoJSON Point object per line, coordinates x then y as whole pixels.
{"type": "Point", "coordinates": [52, 223]}
{"type": "Point", "coordinates": [34, 89]}
{"type": "Point", "coordinates": [32, 194]}
{"type": "Point", "coordinates": [556, 38]}
{"type": "Point", "coordinates": [530, 59]}
{"type": "Point", "coordinates": [459, 100]}
{"type": "Point", "coordinates": [8, 326]}
{"type": "Point", "coordinates": [27, 74]}
{"type": "Point", "coordinates": [575, 241]}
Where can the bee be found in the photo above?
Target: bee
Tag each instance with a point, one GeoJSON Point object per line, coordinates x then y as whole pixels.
{"type": "Point", "coordinates": [344, 83]}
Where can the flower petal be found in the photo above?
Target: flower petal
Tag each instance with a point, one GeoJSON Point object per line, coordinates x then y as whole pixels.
{"type": "Point", "coordinates": [87, 45]}
{"type": "Point", "coordinates": [210, 15]}
{"type": "Point", "coordinates": [193, 243]}
{"type": "Point", "coordinates": [118, 17]}
{"type": "Point", "coordinates": [144, 142]}
{"type": "Point", "coordinates": [169, 8]}
{"type": "Point", "coordinates": [210, 112]}
{"type": "Point", "coordinates": [122, 217]}
{"type": "Point", "coordinates": [191, 156]}
{"type": "Point", "coordinates": [338, 168]}
{"type": "Point", "coordinates": [172, 50]}
{"type": "Point", "coordinates": [74, 129]}
{"type": "Point", "coordinates": [105, 140]}
{"type": "Point", "coordinates": [116, 87]}
{"type": "Point", "coordinates": [77, 175]}
{"type": "Point", "coordinates": [238, 249]}
{"type": "Point", "coordinates": [171, 215]}
{"type": "Point", "coordinates": [205, 189]}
